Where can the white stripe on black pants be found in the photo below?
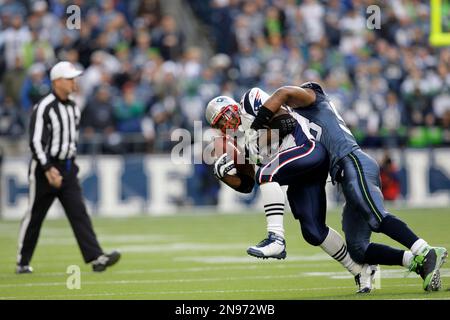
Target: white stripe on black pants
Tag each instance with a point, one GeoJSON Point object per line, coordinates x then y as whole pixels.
{"type": "Point", "coordinates": [41, 198]}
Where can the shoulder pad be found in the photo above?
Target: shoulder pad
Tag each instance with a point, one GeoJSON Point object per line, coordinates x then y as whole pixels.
{"type": "Point", "coordinates": [313, 86]}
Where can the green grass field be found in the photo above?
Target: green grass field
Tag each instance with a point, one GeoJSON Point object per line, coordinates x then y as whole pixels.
{"type": "Point", "coordinates": [203, 257]}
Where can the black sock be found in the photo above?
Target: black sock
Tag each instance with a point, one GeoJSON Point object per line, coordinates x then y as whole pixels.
{"type": "Point", "coordinates": [377, 253]}
{"type": "Point", "coordinates": [398, 230]}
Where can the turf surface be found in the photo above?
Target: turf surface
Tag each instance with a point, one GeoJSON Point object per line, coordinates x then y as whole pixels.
{"type": "Point", "coordinates": [202, 256]}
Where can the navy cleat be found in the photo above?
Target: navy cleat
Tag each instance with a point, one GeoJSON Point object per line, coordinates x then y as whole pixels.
{"type": "Point", "coordinates": [274, 246]}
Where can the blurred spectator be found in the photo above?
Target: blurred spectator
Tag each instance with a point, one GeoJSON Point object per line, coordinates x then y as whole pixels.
{"type": "Point", "coordinates": [249, 67]}
{"type": "Point", "coordinates": [129, 111]}
{"type": "Point", "coordinates": [98, 115]}
{"type": "Point", "coordinates": [38, 50]}
{"type": "Point", "coordinates": [98, 118]}
{"type": "Point", "coordinates": [36, 86]}
{"type": "Point", "coordinates": [169, 39]}
{"type": "Point", "coordinates": [392, 71]}
{"type": "Point", "coordinates": [332, 18]}
{"type": "Point", "coordinates": [13, 80]}
{"type": "Point", "coordinates": [150, 12]}
{"type": "Point", "coordinates": [312, 14]}
{"type": "Point", "coordinates": [11, 122]}
{"type": "Point", "coordinates": [13, 40]}
{"type": "Point", "coordinates": [85, 45]}
{"type": "Point", "coordinates": [390, 182]}
{"type": "Point", "coordinates": [143, 50]}
{"type": "Point", "coordinates": [391, 121]}
{"type": "Point", "coordinates": [353, 27]}
{"type": "Point", "coordinates": [222, 14]}
{"type": "Point", "coordinates": [415, 90]}
{"type": "Point", "coordinates": [45, 21]}
{"type": "Point", "coordinates": [274, 24]}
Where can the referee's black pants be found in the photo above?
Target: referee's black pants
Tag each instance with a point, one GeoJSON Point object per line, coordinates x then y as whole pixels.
{"type": "Point", "coordinates": [41, 197]}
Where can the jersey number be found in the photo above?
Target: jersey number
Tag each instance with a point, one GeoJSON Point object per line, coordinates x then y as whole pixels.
{"type": "Point", "coordinates": [341, 121]}
{"type": "Point", "coordinates": [315, 130]}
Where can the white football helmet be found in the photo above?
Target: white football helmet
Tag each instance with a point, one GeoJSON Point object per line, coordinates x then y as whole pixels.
{"type": "Point", "coordinates": [222, 113]}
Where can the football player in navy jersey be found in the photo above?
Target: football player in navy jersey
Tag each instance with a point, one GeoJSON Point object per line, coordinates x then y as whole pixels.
{"type": "Point", "coordinates": [358, 174]}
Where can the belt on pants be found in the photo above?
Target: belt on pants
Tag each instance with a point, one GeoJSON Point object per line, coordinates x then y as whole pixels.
{"type": "Point", "coordinates": [66, 163]}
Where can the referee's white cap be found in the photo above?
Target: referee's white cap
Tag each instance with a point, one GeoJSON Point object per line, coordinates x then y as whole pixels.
{"type": "Point", "coordinates": [64, 69]}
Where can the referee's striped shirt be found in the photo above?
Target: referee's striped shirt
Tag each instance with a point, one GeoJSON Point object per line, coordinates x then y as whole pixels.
{"type": "Point", "coordinates": [54, 128]}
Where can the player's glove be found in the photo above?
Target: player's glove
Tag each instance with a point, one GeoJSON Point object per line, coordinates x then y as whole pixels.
{"type": "Point", "coordinates": [251, 142]}
{"type": "Point", "coordinates": [224, 165]}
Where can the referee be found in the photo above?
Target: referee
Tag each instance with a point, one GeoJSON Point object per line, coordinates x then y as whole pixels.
{"type": "Point", "coordinates": [53, 172]}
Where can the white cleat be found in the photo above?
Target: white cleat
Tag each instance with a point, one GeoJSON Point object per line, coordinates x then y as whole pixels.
{"type": "Point", "coordinates": [274, 246]}
{"type": "Point", "coordinates": [364, 279]}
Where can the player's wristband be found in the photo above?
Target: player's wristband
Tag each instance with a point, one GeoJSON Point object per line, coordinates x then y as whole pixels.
{"type": "Point", "coordinates": [262, 118]}
{"type": "Point", "coordinates": [247, 183]}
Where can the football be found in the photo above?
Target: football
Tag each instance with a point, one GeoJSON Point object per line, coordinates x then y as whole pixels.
{"type": "Point", "coordinates": [227, 144]}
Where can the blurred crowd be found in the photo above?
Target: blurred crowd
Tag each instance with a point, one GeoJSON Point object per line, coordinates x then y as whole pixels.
{"type": "Point", "coordinates": [141, 80]}
{"type": "Point", "coordinates": [391, 87]}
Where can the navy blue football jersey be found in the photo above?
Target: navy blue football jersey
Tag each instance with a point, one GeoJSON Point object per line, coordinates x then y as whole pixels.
{"type": "Point", "coordinates": [327, 126]}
